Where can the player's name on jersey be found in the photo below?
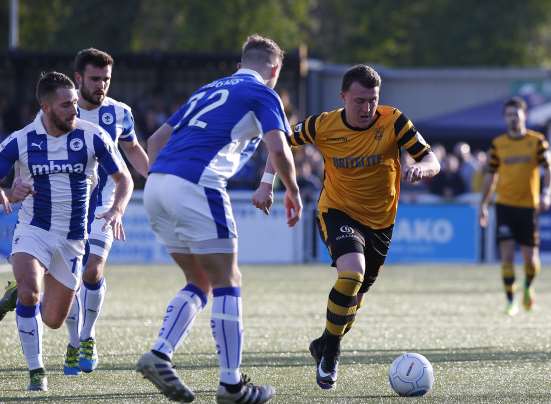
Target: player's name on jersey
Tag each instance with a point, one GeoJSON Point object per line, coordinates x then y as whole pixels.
{"type": "Point", "coordinates": [220, 83]}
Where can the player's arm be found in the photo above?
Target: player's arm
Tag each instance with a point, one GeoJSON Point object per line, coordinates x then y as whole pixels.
{"type": "Point", "coordinates": [123, 190]}
{"type": "Point", "coordinates": [112, 163]}
{"type": "Point", "coordinates": [9, 155]}
{"type": "Point", "coordinates": [488, 188]}
{"type": "Point", "coordinates": [544, 160]}
{"type": "Point", "coordinates": [303, 132]}
{"type": "Point", "coordinates": [489, 184]}
{"type": "Point", "coordinates": [4, 201]}
{"type": "Point", "coordinates": [157, 140]}
{"type": "Point", "coordinates": [136, 156]}
{"type": "Point", "coordinates": [282, 159]}
{"type": "Point", "coordinates": [408, 137]}
{"type": "Point", "coordinates": [427, 167]}
{"type": "Point", "coordinates": [130, 145]}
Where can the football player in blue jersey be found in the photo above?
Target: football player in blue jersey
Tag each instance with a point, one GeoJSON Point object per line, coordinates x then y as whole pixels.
{"type": "Point", "coordinates": [57, 156]}
{"type": "Point", "coordinates": [193, 155]}
{"type": "Point", "coordinates": [93, 70]}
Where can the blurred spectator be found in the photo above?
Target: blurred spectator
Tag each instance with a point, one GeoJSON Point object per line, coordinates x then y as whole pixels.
{"type": "Point", "coordinates": [288, 106]}
{"type": "Point", "coordinates": [309, 183]}
{"type": "Point", "coordinates": [448, 184]}
{"type": "Point", "coordinates": [468, 165]}
{"type": "Point", "coordinates": [439, 151]}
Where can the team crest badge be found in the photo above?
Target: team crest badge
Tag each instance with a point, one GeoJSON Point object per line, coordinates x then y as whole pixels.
{"type": "Point", "coordinates": [107, 118]}
{"type": "Point", "coordinates": [76, 144]}
{"type": "Point", "coordinates": [298, 127]}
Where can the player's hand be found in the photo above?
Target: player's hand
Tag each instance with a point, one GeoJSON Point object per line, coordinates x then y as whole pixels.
{"type": "Point", "coordinates": [545, 202]}
{"type": "Point", "coordinates": [413, 174]}
{"type": "Point", "coordinates": [20, 190]}
{"type": "Point", "coordinates": [113, 219]}
{"type": "Point", "coordinates": [483, 215]}
{"type": "Point", "coordinates": [5, 201]}
{"type": "Point", "coordinates": [293, 207]}
{"type": "Point", "coordinates": [263, 197]}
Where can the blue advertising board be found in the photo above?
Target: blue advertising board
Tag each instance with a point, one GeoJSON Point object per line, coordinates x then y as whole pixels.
{"type": "Point", "coordinates": [432, 233]}
{"type": "Point", "coordinates": [545, 231]}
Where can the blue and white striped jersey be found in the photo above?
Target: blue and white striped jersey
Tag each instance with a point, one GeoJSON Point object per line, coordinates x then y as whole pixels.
{"type": "Point", "coordinates": [62, 170]}
{"type": "Point", "coordinates": [218, 129]}
{"type": "Point", "coordinates": [116, 119]}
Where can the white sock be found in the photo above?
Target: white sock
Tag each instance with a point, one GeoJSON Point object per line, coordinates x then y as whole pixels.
{"type": "Point", "coordinates": [74, 321]}
{"type": "Point", "coordinates": [91, 297]}
{"type": "Point", "coordinates": [180, 314]}
{"type": "Point", "coordinates": [30, 327]}
{"type": "Point", "coordinates": [227, 330]}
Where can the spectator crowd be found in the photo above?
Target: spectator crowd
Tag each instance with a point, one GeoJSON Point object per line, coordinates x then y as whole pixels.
{"type": "Point", "coordinates": [462, 168]}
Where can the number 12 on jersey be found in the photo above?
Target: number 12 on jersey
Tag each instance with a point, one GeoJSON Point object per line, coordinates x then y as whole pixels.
{"type": "Point", "coordinates": [217, 98]}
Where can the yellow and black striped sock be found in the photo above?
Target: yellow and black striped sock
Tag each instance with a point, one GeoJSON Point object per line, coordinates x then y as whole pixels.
{"type": "Point", "coordinates": [341, 306]}
{"type": "Point", "coordinates": [508, 275]}
{"type": "Point", "coordinates": [359, 302]}
{"type": "Point", "coordinates": [531, 270]}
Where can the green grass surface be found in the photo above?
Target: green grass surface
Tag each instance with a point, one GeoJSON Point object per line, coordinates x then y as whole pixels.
{"type": "Point", "coordinates": [451, 314]}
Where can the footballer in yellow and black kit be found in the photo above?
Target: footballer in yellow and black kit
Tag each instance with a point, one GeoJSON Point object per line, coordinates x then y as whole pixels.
{"type": "Point", "coordinates": [516, 160]}
{"type": "Point", "coordinates": [359, 199]}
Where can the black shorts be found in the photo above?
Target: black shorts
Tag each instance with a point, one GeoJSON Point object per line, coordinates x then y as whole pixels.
{"type": "Point", "coordinates": [343, 235]}
{"type": "Point", "coordinates": [519, 224]}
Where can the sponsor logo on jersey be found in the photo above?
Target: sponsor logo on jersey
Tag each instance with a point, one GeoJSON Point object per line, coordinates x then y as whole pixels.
{"type": "Point", "coordinates": [357, 162]}
{"type": "Point", "coordinates": [37, 145]}
{"type": "Point", "coordinates": [340, 139]}
{"type": "Point", "coordinates": [56, 168]}
{"type": "Point", "coordinates": [517, 159]}
{"type": "Point", "coordinates": [76, 144]}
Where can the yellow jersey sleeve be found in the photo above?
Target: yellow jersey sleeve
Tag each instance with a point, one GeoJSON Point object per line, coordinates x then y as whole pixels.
{"type": "Point", "coordinates": [409, 138]}
{"type": "Point", "coordinates": [304, 132]}
{"type": "Point", "coordinates": [543, 152]}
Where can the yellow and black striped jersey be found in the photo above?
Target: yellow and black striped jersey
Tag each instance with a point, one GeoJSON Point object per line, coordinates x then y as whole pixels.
{"type": "Point", "coordinates": [517, 161]}
{"type": "Point", "coordinates": [362, 166]}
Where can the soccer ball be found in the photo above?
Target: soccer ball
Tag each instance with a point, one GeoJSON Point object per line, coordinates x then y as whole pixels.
{"type": "Point", "coordinates": [410, 375]}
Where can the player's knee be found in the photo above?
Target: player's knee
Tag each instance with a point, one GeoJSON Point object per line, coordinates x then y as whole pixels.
{"type": "Point", "coordinates": [54, 322]}
{"type": "Point", "coordinates": [532, 268]}
{"type": "Point", "coordinates": [94, 270]}
{"type": "Point", "coordinates": [28, 296]}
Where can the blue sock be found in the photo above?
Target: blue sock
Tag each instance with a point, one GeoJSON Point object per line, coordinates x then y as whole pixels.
{"type": "Point", "coordinates": [30, 327]}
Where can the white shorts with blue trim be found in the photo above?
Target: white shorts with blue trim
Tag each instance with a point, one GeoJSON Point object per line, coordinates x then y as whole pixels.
{"type": "Point", "coordinates": [100, 240]}
{"type": "Point", "coordinates": [61, 257]}
{"type": "Point", "coordinates": [189, 218]}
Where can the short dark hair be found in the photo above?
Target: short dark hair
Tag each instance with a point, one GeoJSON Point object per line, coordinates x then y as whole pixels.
{"type": "Point", "coordinates": [48, 83]}
{"type": "Point", "coordinates": [363, 74]}
{"type": "Point", "coordinates": [517, 102]}
{"type": "Point", "coordinates": [259, 49]}
{"type": "Point", "coordinates": [91, 56]}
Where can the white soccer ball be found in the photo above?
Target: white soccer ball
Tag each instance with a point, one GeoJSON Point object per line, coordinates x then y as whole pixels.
{"type": "Point", "coordinates": [410, 375]}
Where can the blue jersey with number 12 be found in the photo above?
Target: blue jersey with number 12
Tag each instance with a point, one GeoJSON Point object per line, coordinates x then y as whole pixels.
{"type": "Point", "coordinates": [218, 129]}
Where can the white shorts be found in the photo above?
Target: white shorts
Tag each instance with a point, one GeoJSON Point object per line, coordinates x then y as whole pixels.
{"type": "Point", "coordinates": [100, 240]}
{"type": "Point", "coordinates": [189, 218]}
{"type": "Point", "coordinates": [61, 257]}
